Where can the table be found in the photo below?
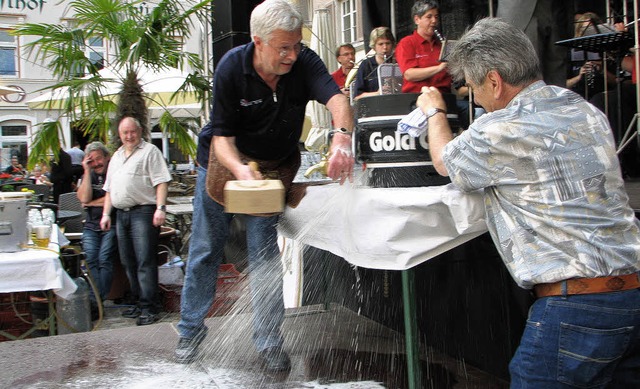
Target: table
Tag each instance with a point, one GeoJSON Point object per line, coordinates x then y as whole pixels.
{"type": "Point", "coordinates": [389, 229]}
{"type": "Point", "coordinates": [37, 269]}
{"type": "Point", "coordinates": [182, 215]}
{"type": "Point", "coordinates": [385, 228]}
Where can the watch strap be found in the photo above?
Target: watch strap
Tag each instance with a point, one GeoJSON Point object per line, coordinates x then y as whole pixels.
{"type": "Point", "coordinates": [435, 111]}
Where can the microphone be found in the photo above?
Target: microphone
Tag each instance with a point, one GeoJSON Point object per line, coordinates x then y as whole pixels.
{"type": "Point", "coordinates": [385, 58]}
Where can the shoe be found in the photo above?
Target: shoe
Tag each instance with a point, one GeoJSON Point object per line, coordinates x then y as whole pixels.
{"type": "Point", "coordinates": [131, 312]}
{"type": "Point", "coordinates": [275, 359]}
{"type": "Point", "coordinates": [187, 348]}
{"type": "Point", "coordinates": [146, 318]}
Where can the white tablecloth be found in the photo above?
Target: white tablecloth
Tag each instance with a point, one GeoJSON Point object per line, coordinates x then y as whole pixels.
{"type": "Point", "coordinates": [385, 228]}
{"type": "Point", "coordinates": [35, 269]}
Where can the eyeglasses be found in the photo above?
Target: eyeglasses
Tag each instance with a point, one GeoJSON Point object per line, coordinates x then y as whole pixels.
{"type": "Point", "coordinates": [347, 54]}
{"type": "Point", "coordinates": [285, 50]}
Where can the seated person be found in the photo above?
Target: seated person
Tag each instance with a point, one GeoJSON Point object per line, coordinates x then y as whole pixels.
{"type": "Point", "coordinates": [463, 103]}
{"type": "Point", "coordinates": [15, 169]}
{"type": "Point", "coordinates": [418, 54]}
{"type": "Point", "coordinates": [621, 114]}
{"type": "Point", "coordinates": [382, 41]}
{"type": "Point", "coordinates": [345, 55]}
{"type": "Point", "coordinates": [39, 178]}
{"type": "Point", "coordinates": [586, 75]}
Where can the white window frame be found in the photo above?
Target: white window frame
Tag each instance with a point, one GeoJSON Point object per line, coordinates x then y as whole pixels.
{"type": "Point", "coordinates": [348, 23]}
{"type": "Point", "coordinates": [88, 47]}
{"type": "Point", "coordinates": [92, 49]}
{"type": "Point", "coordinates": [11, 45]}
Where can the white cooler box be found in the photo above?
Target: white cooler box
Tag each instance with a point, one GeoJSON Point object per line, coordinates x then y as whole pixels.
{"type": "Point", "coordinates": [13, 221]}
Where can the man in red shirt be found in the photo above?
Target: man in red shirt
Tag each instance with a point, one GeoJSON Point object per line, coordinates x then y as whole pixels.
{"type": "Point", "coordinates": [346, 55]}
{"type": "Point", "coordinates": [418, 54]}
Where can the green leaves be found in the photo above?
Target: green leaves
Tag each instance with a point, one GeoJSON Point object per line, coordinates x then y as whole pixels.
{"type": "Point", "coordinates": [136, 39]}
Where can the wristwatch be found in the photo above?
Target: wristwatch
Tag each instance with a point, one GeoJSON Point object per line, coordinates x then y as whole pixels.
{"type": "Point", "coordinates": [432, 111]}
{"type": "Point", "coordinates": [339, 131]}
{"type": "Point", "coordinates": [162, 208]}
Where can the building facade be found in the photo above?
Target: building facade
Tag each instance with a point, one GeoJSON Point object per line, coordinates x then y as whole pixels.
{"type": "Point", "coordinates": [19, 70]}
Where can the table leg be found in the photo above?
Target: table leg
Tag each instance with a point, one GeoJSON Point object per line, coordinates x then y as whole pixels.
{"type": "Point", "coordinates": [412, 340]}
{"type": "Point", "coordinates": [52, 313]}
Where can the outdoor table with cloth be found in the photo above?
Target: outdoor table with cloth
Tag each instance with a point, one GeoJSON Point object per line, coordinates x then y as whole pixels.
{"type": "Point", "coordinates": [37, 269]}
{"type": "Point", "coordinates": [387, 229]}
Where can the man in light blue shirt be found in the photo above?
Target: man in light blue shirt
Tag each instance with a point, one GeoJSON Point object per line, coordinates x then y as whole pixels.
{"type": "Point", "coordinates": [556, 209]}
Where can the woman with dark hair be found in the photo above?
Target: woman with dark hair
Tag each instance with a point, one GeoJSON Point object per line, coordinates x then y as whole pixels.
{"type": "Point", "coordinates": [419, 53]}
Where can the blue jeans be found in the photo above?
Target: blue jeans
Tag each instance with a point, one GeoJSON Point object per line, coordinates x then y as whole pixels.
{"type": "Point", "coordinates": [210, 230]}
{"type": "Point", "coordinates": [99, 248]}
{"type": "Point", "coordinates": [580, 341]}
{"type": "Point", "coordinates": [138, 247]}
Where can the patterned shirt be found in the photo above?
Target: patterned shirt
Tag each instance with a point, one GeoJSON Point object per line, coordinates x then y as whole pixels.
{"type": "Point", "coordinates": [555, 201]}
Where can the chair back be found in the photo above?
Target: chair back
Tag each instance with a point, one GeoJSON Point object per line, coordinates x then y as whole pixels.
{"type": "Point", "coordinates": [70, 202]}
{"type": "Point", "coordinates": [389, 79]}
{"type": "Point", "coordinates": [42, 192]}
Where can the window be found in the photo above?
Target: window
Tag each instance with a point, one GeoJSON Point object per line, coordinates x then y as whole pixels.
{"type": "Point", "coordinates": [13, 142]}
{"type": "Point", "coordinates": [8, 51]}
{"type": "Point", "coordinates": [95, 51]}
{"type": "Point", "coordinates": [348, 16]}
{"type": "Point", "coordinates": [14, 130]}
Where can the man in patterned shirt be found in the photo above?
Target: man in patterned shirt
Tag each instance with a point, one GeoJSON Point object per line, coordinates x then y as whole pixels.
{"type": "Point", "coordinates": [556, 209]}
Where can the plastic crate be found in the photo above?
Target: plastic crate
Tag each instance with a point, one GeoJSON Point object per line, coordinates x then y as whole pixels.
{"type": "Point", "coordinates": [229, 288]}
{"type": "Point", "coordinates": [15, 314]}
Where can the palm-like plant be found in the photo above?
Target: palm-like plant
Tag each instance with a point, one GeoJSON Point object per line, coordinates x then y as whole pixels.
{"type": "Point", "coordinates": [151, 40]}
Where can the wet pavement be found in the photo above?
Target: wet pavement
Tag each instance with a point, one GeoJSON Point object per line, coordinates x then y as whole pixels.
{"type": "Point", "coordinates": [329, 348]}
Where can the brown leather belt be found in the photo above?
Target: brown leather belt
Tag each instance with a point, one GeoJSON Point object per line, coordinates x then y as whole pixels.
{"type": "Point", "coordinates": [588, 285]}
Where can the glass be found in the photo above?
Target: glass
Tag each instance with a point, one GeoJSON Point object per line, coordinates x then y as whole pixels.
{"type": "Point", "coordinates": [41, 235]}
{"type": "Point", "coordinates": [285, 50]}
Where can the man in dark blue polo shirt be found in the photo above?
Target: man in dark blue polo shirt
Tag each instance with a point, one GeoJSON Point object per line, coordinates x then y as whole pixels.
{"type": "Point", "coordinates": [261, 90]}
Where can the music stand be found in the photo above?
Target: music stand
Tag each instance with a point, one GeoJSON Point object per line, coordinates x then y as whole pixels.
{"type": "Point", "coordinates": [616, 42]}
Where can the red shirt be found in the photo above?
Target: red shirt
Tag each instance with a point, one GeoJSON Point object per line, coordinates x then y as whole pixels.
{"type": "Point", "coordinates": [339, 77]}
{"type": "Point", "coordinates": [414, 51]}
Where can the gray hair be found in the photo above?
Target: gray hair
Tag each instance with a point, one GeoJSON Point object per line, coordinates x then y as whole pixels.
{"type": "Point", "coordinates": [135, 121]}
{"type": "Point", "coordinates": [271, 15]}
{"type": "Point", "coordinates": [493, 44]}
{"type": "Point", "coordinates": [421, 7]}
{"type": "Point", "coordinates": [97, 146]}
{"type": "Point", "coordinates": [346, 45]}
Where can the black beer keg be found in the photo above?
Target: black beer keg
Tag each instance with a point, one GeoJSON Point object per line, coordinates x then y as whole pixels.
{"type": "Point", "coordinates": [394, 159]}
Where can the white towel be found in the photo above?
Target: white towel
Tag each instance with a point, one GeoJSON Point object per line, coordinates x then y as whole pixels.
{"type": "Point", "coordinates": [414, 124]}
